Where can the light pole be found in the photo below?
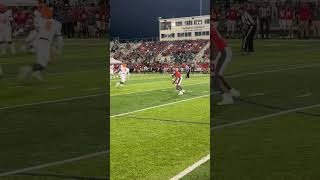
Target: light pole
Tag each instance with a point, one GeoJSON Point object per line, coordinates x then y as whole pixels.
{"type": "Point", "coordinates": [200, 7]}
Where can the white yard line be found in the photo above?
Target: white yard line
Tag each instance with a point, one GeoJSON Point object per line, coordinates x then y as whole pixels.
{"type": "Point", "coordinates": [256, 94]}
{"type": "Point", "coordinates": [191, 168]}
{"type": "Point", "coordinates": [156, 89]}
{"type": "Point", "coordinates": [304, 95]}
{"type": "Point", "coordinates": [207, 158]}
{"type": "Point", "coordinates": [162, 105]}
{"type": "Point", "coordinates": [264, 117]}
{"type": "Point", "coordinates": [50, 102]}
{"type": "Point", "coordinates": [46, 165]}
{"type": "Point", "coordinates": [51, 164]}
{"type": "Point", "coordinates": [271, 71]}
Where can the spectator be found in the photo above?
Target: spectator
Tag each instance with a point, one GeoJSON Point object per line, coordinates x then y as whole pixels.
{"type": "Point", "coordinates": [316, 21]}
{"type": "Point", "coordinates": [304, 21]}
{"type": "Point", "coordinates": [282, 22]}
{"type": "Point", "coordinates": [289, 21]}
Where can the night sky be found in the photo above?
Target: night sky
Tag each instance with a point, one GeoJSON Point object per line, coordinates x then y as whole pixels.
{"type": "Point", "coordinates": [139, 18]}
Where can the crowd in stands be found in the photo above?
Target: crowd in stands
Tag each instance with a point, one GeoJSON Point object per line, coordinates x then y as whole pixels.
{"type": "Point", "coordinates": [164, 67]}
{"type": "Point", "coordinates": [274, 18]}
{"type": "Point", "coordinates": [81, 20]}
{"type": "Point", "coordinates": [161, 56]}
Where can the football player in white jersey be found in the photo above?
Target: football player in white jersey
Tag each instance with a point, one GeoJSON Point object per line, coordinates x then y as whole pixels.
{"type": "Point", "coordinates": [57, 43]}
{"type": "Point", "coordinates": [123, 75]}
{"type": "Point", "coordinates": [49, 29]}
{"type": "Point", "coordinates": [128, 73]}
{"type": "Point", "coordinates": [6, 30]}
{"type": "Point", "coordinates": [30, 43]}
{"type": "Point", "coordinates": [111, 71]}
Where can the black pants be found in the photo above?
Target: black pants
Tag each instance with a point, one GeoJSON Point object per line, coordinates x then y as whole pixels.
{"type": "Point", "coordinates": [247, 40]}
{"type": "Point", "coordinates": [264, 27]}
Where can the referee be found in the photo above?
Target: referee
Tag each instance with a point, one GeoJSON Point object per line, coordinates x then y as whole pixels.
{"type": "Point", "coordinates": [249, 28]}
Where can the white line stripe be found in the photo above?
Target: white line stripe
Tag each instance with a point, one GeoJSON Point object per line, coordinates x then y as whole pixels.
{"type": "Point", "coordinates": [270, 71]}
{"type": "Point", "coordinates": [255, 94]}
{"type": "Point", "coordinates": [53, 101]}
{"type": "Point", "coordinates": [304, 95]}
{"type": "Point", "coordinates": [162, 105]}
{"type": "Point", "coordinates": [191, 168]}
{"type": "Point", "coordinates": [53, 163]}
{"type": "Point", "coordinates": [157, 89]}
{"type": "Point", "coordinates": [196, 165]}
{"type": "Point", "coordinates": [91, 89]}
{"type": "Point", "coordinates": [89, 155]}
{"type": "Point", "coordinates": [264, 117]}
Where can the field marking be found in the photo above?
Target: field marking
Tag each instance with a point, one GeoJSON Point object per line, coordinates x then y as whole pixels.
{"type": "Point", "coordinates": [304, 95]}
{"type": "Point", "coordinates": [51, 102]}
{"type": "Point", "coordinates": [46, 165]}
{"type": "Point", "coordinates": [284, 112]}
{"type": "Point", "coordinates": [54, 88]}
{"type": "Point", "coordinates": [162, 105]}
{"type": "Point", "coordinates": [270, 71]}
{"type": "Point", "coordinates": [89, 155]}
{"type": "Point", "coordinates": [191, 168]}
{"type": "Point", "coordinates": [156, 89]}
{"type": "Point", "coordinates": [256, 94]}
{"type": "Point", "coordinates": [196, 165]}
{"type": "Point", "coordinates": [91, 89]}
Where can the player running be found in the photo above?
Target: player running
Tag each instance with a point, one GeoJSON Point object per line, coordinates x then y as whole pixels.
{"type": "Point", "coordinates": [123, 75]}
{"type": "Point", "coordinates": [177, 79]}
{"type": "Point", "coordinates": [6, 30]}
{"type": "Point", "coordinates": [222, 60]}
{"type": "Point", "coordinates": [49, 31]}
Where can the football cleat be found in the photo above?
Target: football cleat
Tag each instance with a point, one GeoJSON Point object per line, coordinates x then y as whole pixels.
{"type": "Point", "coordinates": [227, 99]}
{"type": "Point", "coordinates": [180, 93]}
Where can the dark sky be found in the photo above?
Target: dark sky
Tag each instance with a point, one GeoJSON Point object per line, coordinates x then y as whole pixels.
{"type": "Point", "coordinates": [139, 18]}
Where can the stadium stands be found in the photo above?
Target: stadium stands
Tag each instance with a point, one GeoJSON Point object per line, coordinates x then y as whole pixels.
{"type": "Point", "coordinates": [156, 56]}
{"type": "Point", "coordinates": [81, 20]}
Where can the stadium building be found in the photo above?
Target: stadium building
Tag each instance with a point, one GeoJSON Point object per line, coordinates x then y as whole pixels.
{"type": "Point", "coordinates": [184, 28]}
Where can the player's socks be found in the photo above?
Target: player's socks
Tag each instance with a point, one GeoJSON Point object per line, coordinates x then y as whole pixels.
{"type": "Point", "coordinates": [12, 48]}
{"type": "Point", "coordinates": [3, 50]}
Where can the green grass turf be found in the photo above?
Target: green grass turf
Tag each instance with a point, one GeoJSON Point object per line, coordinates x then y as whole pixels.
{"type": "Point", "coordinates": [202, 172]}
{"type": "Point", "coordinates": [159, 142]}
{"type": "Point", "coordinates": [47, 132]}
{"type": "Point", "coordinates": [281, 147]}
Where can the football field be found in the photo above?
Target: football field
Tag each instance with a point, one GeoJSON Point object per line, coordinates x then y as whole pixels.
{"type": "Point", "coordinates": [156, 134]}
{"type": "Point", "coordinates": [272, 131]}
{"type": "Point", "coordinates": [55, 129]}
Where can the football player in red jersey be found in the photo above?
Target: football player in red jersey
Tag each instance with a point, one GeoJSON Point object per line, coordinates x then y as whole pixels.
{"type": "Point", "coordinates": [289, 21]}
{"type": "Point", "coordinates": [177, 79]}
{"type": "Point", "coordinates": [223, 58]}
{"type": "Point", "coordinates": [231, 23]}
{"type": "Point", "coordinates": [215, 16]}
